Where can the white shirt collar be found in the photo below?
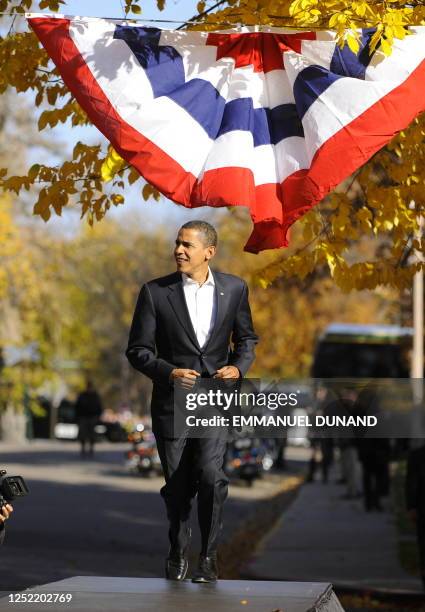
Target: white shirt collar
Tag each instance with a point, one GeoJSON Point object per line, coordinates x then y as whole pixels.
{"type": "Point", "coordinates": [189, 281]}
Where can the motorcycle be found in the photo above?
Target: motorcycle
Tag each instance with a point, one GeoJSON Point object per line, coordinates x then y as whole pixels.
{"type": "Point", "coordinates": [247, 459]}
{"type": "Point", "coordinates": [143, 456]}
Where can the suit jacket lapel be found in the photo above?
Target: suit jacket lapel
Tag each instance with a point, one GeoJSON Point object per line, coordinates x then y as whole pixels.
{"type": "Point", "coordinates": [178, 302]}
{"type": "Point", "coordinates": [222, 297]}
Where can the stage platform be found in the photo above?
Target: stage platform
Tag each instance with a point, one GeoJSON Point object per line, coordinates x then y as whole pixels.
{"type": "Point", "coordinates": [159, 595]}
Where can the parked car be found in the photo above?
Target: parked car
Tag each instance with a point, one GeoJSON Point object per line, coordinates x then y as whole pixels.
{"type": "Point", "coordinates": [108, 428]}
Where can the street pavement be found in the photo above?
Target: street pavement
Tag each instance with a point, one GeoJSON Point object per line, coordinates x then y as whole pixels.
{"type": "Point", "coordinates": [92, 517]}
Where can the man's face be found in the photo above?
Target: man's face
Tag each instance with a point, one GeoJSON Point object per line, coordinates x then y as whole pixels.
{"type": "Point", "coordinates": [190, 252]}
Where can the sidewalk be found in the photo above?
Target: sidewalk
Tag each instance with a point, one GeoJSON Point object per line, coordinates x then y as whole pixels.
{"type": "Point", "coordinates": [322, 538]}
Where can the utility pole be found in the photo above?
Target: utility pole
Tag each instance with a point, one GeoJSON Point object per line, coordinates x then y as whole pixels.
{"type": "Point", "coordinates": [417, 370]}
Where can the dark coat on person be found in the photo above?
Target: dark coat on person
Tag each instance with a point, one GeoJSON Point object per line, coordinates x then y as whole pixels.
{"type": "Point", "coordinates": [415, 481]}
{"type": "Point", "coordinates": [88, 405]}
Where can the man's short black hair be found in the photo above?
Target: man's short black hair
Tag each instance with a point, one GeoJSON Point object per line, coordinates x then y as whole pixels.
{"type": "Point", "coordinates": [206, 229]}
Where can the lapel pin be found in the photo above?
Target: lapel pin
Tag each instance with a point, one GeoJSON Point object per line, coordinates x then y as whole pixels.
{"type": "Point", "coordinates": [221, 293]}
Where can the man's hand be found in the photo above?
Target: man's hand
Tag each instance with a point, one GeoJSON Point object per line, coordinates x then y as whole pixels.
{"type": "Point", "coordinates": [227, 372]}
{"type": "Point", "coordinates": [184, 377]}
{"type": "Point", "coordinates": [5, 512]}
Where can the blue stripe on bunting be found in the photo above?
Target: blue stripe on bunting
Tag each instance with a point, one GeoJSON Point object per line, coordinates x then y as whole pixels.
{"type": "Point", "coordinates": [203, 102]}
{"type": "Point", "coordinates": [163, 66]}
{"type": "Point", "coordinates": [346, 63]}
{"type": "Point", "coordinates": [314, 80]}
{"type": "Point", "coordinates": [268, 126]}
{"type": "Point", "coordinates": [309, 84]}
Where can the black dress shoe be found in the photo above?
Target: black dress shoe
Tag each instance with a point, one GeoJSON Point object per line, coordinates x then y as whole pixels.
{"type": "Point", "coordinates": [176, 564]}
{"type": "Point", "coordinates": [176, 567]}
{"type": "Point", "coordinates": [207, 569]}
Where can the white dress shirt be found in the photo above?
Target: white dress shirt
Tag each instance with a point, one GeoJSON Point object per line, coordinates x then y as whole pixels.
{"type": "Point", "coordinates": [200, 300]}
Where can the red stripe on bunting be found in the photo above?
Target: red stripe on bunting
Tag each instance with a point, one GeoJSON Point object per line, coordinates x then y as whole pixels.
{"type": "Point", "coordinates": [353, 146]}
{"type": "Point", "coordinates": [274, 208]}
{"type": "Point", "coordinates": [235, 187]}
{"type": "Point", "coordinates": [336, 159]}
{"type": "Point", "coordinates": [263, 51]}
{"type": "Point", "coordinates": [153, 163]}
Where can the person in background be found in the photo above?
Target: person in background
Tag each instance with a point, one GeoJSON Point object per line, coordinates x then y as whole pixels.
{"type": "Point", "coordinates": [88, 409]}
{"type": "Point", "coordinates": [374, 456]}
{"type": "Point", "coordinates": [346, 442]}
{"type": "Point", "coordinates": [415, 499]}
{"type": "Point", "coordinates": [322, 447]}
{"type": "Point", "coordinates": [374, 453]}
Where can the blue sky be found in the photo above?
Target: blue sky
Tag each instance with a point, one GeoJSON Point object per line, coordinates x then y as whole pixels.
{"type": "Point", "coordinates": [175, 9]}
{"type": "Point", "coordinates": [150, 213]}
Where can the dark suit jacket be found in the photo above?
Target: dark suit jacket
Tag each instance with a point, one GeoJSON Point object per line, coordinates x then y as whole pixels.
{"type": "Point", "coordinates": [162, 338]}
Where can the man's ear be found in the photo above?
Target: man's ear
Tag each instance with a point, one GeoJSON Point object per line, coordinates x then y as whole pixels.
{"type": "Point", "coordinates": [210, 252]}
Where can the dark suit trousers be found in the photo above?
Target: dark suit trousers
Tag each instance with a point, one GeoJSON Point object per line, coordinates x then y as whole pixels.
{"type": "Point", "coordinates": [193, 466]}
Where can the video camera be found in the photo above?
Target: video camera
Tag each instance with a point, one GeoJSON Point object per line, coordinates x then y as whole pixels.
{"type": "Point", "coordinates": [11, 487]}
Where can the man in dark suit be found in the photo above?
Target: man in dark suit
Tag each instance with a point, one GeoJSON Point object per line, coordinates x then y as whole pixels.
{"type": "Point", "coordinates": [182, 329]}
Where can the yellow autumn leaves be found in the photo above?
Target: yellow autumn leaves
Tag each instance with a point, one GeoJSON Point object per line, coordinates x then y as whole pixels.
{"type": "Point", "coordinates": [377, 207]}
{"type": "Point", "coordinates": [390, 18]}
{"type": "Point", "coordinates": [111, 165]}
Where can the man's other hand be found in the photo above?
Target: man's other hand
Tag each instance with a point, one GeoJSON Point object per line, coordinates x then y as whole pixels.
{"type": "Point", "coordinates": [227, 372]}
{"type": "Point", "coordinates": [5, 512]}
{"type": "Point", "coordinates": [184, 377]}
